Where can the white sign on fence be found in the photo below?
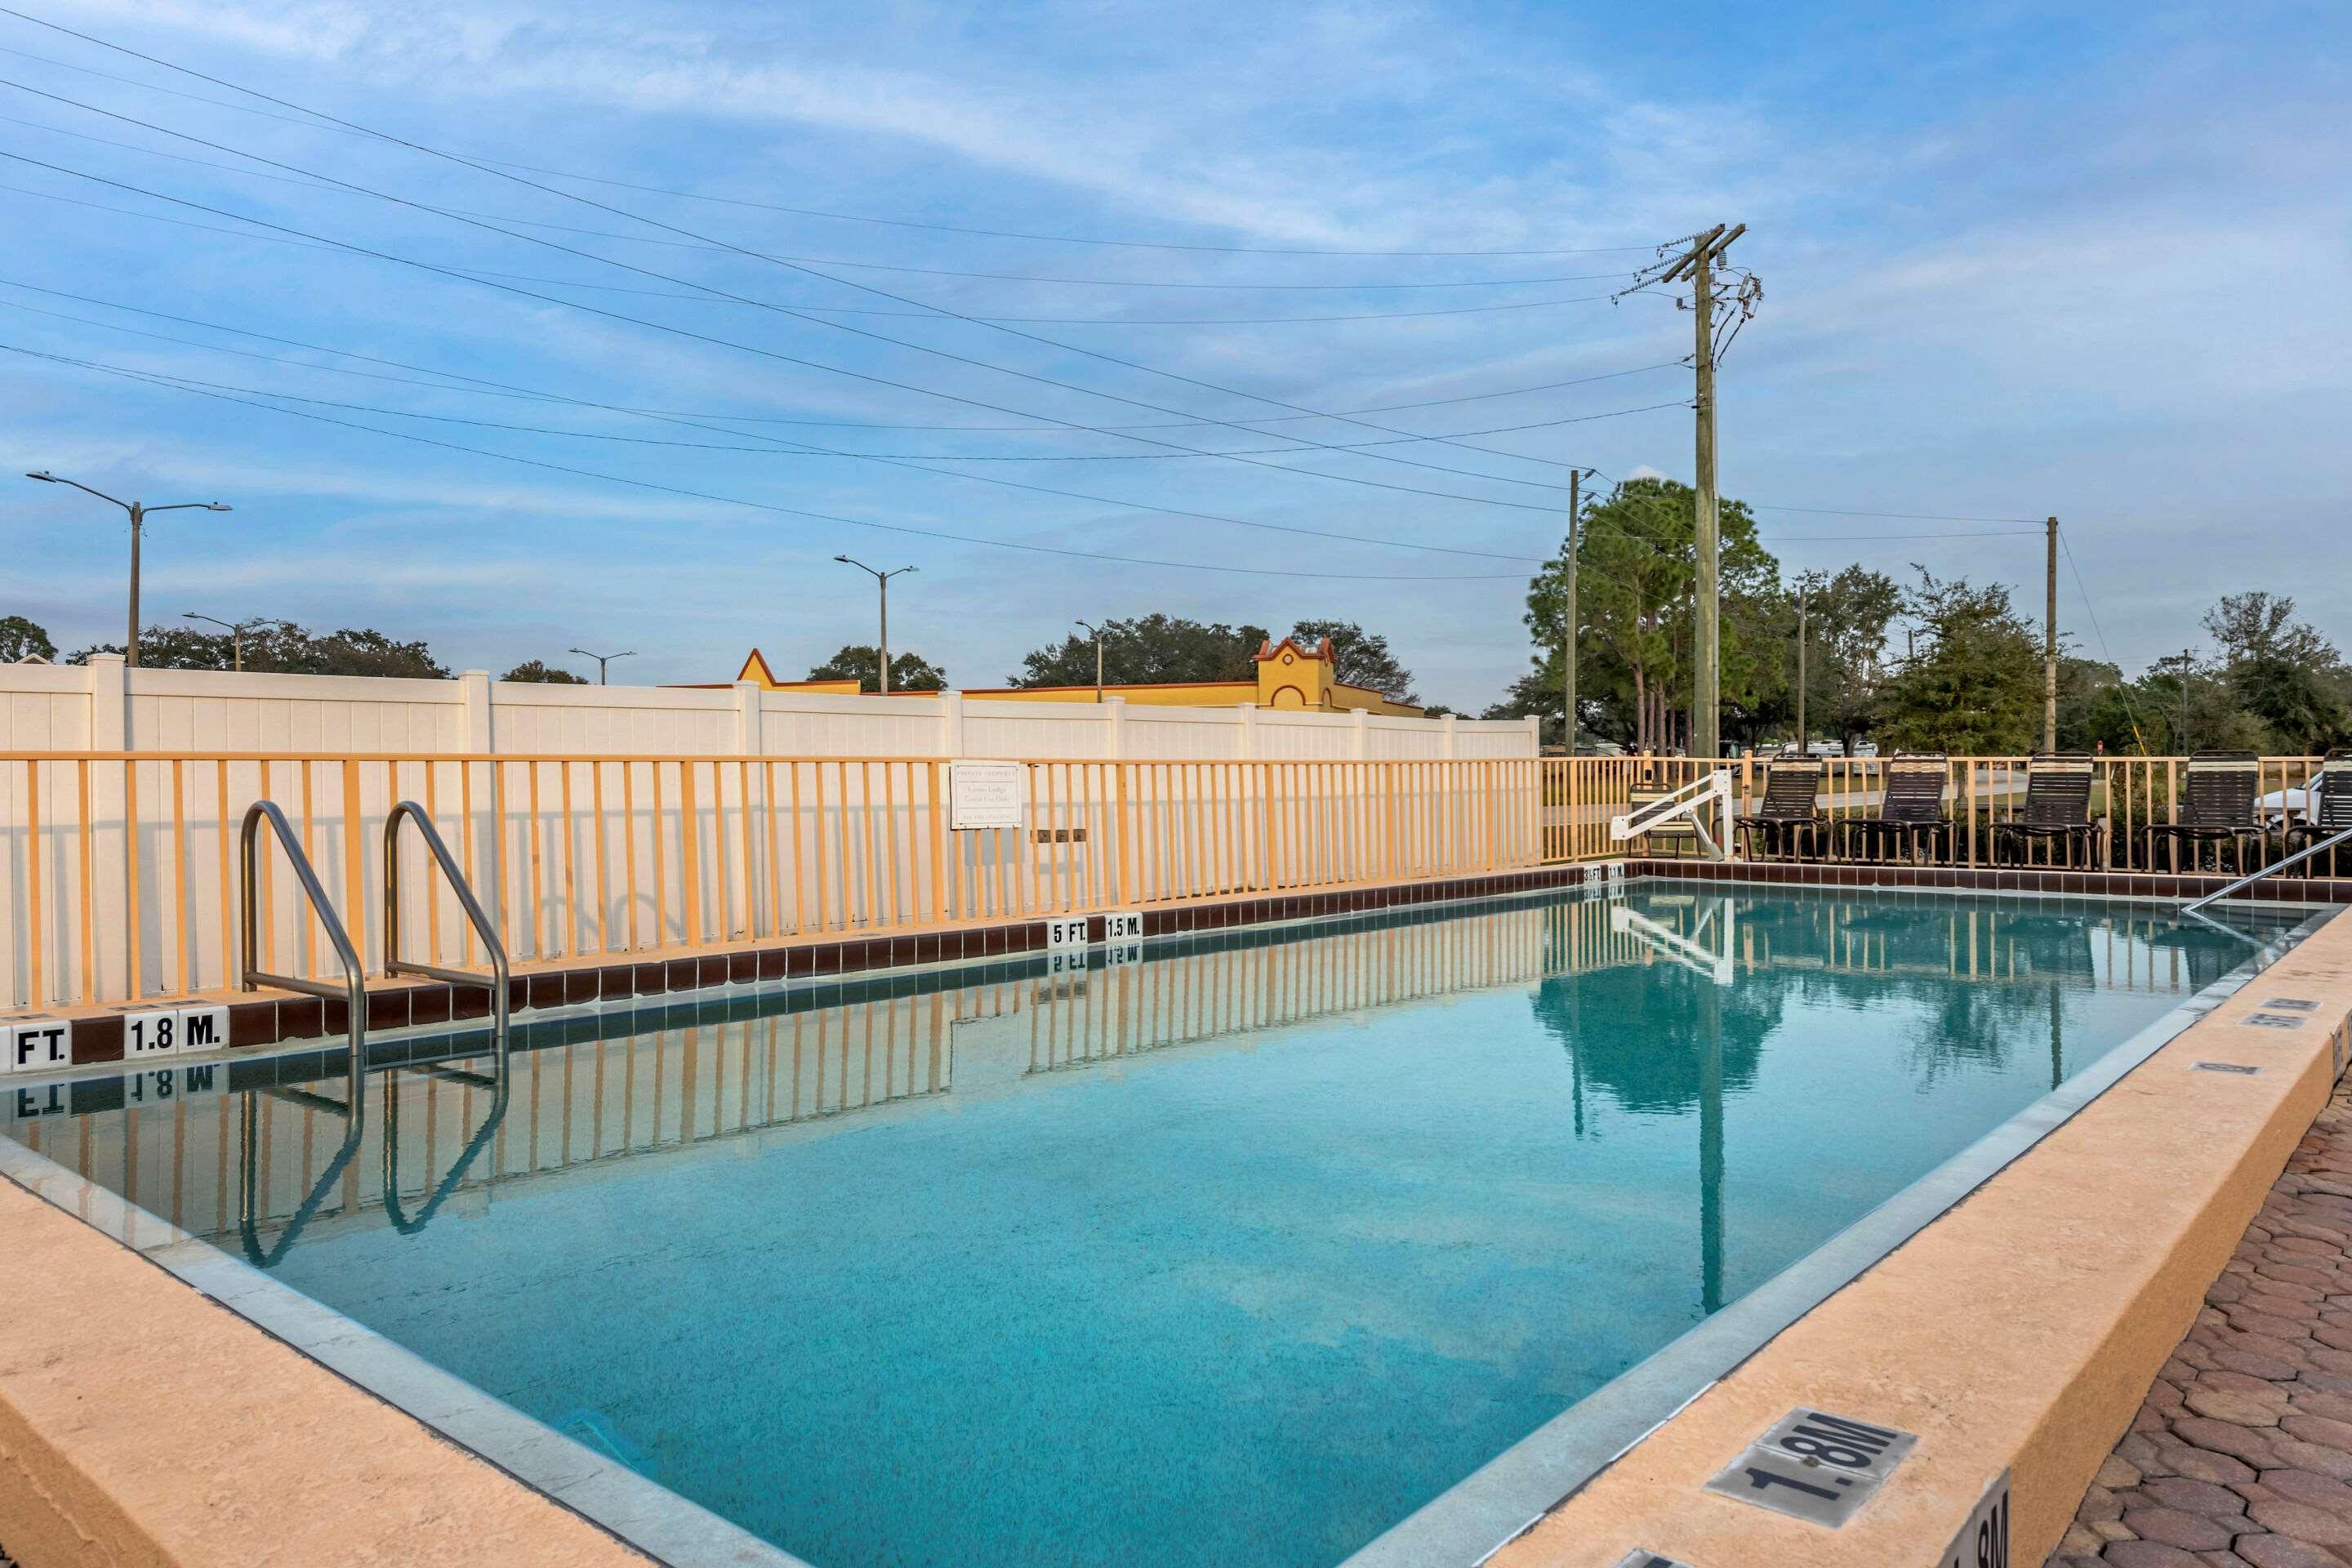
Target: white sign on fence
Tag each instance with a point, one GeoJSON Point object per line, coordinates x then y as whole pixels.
{"type": "Point", "coordinates": [984, 794]}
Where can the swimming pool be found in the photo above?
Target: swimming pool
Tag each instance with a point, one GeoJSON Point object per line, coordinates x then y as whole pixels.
{"type": "Point", "coordinates": [1241, 1249]}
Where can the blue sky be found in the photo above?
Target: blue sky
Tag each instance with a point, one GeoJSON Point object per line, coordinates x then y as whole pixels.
{"type": "Point", "coordinates": [2017, 260]}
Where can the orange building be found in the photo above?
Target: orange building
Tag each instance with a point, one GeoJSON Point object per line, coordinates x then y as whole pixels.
{"type": "Point", "coordinates": [1287, 675]}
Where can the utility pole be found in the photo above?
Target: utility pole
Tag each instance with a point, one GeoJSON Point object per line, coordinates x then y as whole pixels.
{"type": "Point", "coordinates": [882, 581]}
{"type": "Point", "coordinates": [1096, 632]}
{"type": "Point", "coordinates": [1567, 615]}
{"type": "Point", "coordinates": [237, 630]}
{"type": "Point", "coordinates": [1804, 735]}
{"type": "Point", "coordinates": [2187, 663]}
{"type": "Point", "coordinates": [602, 660]}
{"type": "Point", "coordinates": [1698, 264]}
{"type": "Point", "coordinates": [138, 515]}
{"type": "Point", "coordinates": [2050, 646]}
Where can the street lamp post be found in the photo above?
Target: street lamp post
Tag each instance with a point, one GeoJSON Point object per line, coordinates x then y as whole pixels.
{"type": "Point", "coordinates": [236, 631]}
{"type": "Point", "coordinates": [882, 581]}
{"type": "Point", "coordinates": [602, 660]}
{"type": "Point", "coordinates": [1097, 632]}
{"type": "Point", "coordinates": [138, 515]}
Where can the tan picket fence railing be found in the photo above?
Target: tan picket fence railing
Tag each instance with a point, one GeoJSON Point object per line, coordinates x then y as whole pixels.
{"type": "Point", "coordinates": [120, 875]}
{"type": "Point", "coordinates": [119, 869]}
{"type": "Point", "coordinates": [1582, 794]}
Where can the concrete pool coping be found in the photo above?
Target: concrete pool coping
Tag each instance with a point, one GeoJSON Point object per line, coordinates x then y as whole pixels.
{"type": "Point", "coordinates": [624, 1514]}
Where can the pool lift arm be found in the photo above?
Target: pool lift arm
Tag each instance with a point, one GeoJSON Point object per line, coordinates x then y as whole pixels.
{"type": "Point", "coordinates": [1714, 786]}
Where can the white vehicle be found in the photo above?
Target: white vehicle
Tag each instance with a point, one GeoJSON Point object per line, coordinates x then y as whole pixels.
{"type": "Point", "coordinates": [1866, 748]}
{"type": "Point", "coordinates": [1825, 749]}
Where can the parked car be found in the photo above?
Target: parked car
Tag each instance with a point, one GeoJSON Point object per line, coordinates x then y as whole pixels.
{"type": "Point", "coordinates": [1866, 748]}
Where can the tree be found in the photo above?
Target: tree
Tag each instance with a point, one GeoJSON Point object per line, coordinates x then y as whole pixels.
{"type": "Point", "coordinates": [174, 648]}
{"type": "Point", "coordinates": [861, 663]}
{"type": "Point", "coordinates": [2280, 670]}
{"type": "Point", "coordinates": [1976, 687]}
{"type": "Point", "coordinates": [548, 674]}
{"type": "Point", "coordinates": [1359, 657]}
{"type": "Point", "coordinates": [21, 639]}
{"type": "Point", "coordinates": [1636, 567]}
{"type": "Point", "coordinates": [282, 650]}
{"type": "Point", "coordinates": [1148, 650]}
{"type": "Point", "coordinates": [1845, 622]}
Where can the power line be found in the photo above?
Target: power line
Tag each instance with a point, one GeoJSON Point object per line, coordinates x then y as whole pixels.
{"type": "Point", "coordinates": [863, 375]}
{"type": "Point", "coordinates": [1906, 516]}
{"type": "Point", "coordinates": [925, 314]}
{"type": "Point", "coordinates": [796, 511]}
{"type": "Point", "coordinates": [835, 326]}
{"type": "Point", "coordinates": [777, 448]}
{"type": "Point", "coordinates": [2123, 687]}
{"type": "Point", "coordinates": [743, 418]}
{"type": "Point", "coordinates": [314, 123]}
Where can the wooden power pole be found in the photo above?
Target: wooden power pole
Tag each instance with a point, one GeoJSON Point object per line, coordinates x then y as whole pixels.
{"type": "Point", "coordinates": [1698, 264]}
{"type": "Point", "coordinates": [2050, 646]}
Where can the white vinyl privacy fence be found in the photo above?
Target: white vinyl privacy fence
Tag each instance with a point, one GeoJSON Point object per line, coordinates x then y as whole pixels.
{"type": "Point", "coordinates": [611, 820]}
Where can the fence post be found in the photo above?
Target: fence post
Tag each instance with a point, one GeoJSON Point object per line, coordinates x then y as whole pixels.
{"type": "Point", "coordinates": [1363, 732]}
{"type": "Point", "coordinates": [1447, 725]}
{"type": "Point", "coordinates": [1113, 708]}
{"type": "Point", "coordinates": [473, 689]}
{"type": "Point", "coordinates": [748, 741]}
{"type": "Point", "coordinates": [474, 684]}
{"type": "Point", "coordinates": [1245, 738]}
{"type": "Point", "coordinates": [951, 724]}
{"type": "Point", "coordinates": [114, 896]}
{"type": "Point", "coordinates": [109, 718]}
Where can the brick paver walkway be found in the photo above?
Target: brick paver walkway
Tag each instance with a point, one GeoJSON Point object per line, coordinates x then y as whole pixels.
{"type": "Point", "coordinates": [2242, 1456]}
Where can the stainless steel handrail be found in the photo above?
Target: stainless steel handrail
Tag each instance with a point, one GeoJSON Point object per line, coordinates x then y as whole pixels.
{"type": "Point", "coordinates": [353, 990]}
{"type": "Point", "coordinates": [2306, 853]}
{"type": "Point", "coordinates": [409, 811]}
{"type": "Point", "coordinates": [501, 1044]}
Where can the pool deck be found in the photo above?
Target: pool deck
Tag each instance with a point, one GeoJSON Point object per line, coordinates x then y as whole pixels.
{"type": "Point", "coordinates": [2240, 1456]}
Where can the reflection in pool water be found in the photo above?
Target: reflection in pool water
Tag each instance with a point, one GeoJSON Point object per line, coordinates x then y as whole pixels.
{"type": "Point", "coordinates": [1236, 1252]}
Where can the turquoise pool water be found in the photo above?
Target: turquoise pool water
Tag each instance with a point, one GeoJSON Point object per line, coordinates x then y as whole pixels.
{"type": "Point", "coordinates": [1235, 1253]}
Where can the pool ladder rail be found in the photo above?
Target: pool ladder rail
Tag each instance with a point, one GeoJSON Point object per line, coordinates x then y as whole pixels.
{"type": "Point", "coordinates": [353, 993]}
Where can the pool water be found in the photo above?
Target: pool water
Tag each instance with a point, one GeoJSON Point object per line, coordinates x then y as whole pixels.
{"type": "Point", "coordinates": [1239, 1251]}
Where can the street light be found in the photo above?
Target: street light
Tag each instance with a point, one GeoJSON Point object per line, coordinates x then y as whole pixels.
{"type": "Point", "coordinates": [237, 630]}
{"type": "Point", "coordinates": [138, 515]}
{"type": "Point", "coordinates": [602, 660]}
{"type": "Point", "coordinates": [1097, 632]}
{"type": "Point", "coordinates": [882, 581]}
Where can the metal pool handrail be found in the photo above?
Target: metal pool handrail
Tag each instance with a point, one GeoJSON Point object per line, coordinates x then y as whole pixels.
{"type": "Point", "coordinates": [2306, 853]}
{"type": "Point", "coordinates": [409, 811]}
{"type": "Point", "coordinates": [353, 990]}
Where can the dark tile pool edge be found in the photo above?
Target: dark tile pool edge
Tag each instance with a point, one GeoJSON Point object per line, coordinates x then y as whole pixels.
{"type": "Point", "coordinates": [1503, 1498]}
{"type": "Point", "coordinates": [397, 1010]}
{"type": "Point", "coordinates": [638, 1512]}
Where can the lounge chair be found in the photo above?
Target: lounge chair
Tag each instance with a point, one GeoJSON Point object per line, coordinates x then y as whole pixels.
{"type": "Point", "coordinates": [1789, 821]}
{"type": "Point", "coordinates": [1912, 811]}
{"type": "Point", "coordinates": [2057, 810]}
{"type": "Point", "coordinates": [2327, 811]}
{"type": "Point", "coordinates": [2217, 807]}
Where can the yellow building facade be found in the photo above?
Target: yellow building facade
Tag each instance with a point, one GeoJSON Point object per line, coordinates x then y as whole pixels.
{"type": "Point", "coordinates": [1289, 676]}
